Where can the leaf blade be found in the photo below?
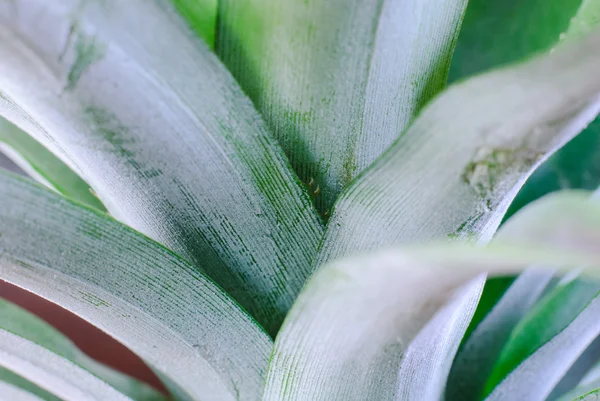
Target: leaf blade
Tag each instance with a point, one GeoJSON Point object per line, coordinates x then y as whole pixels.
{"type": "Point", "coordinates": [56, 249]}
{"type": "Point", "coordinates": [338, 81]}
{"type": "Point", "coordinates": [184, 160]}
{"type": "Point", "coordinates": [371, 307]}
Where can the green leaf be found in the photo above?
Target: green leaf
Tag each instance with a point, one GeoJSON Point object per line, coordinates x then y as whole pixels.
{"type": "Point", "coordinates": [32, 329]}
{"type": "Point", "coordinates": [346, 336]}
{"type": "Point", "coordinates": [9, 392]}
{"type": "Point", "coordinates": [489, 133]}
{"type": "Point", "coordinates": [482, 346]}
{"type": "Point", "coordinates": [12, 379]}
{"type": "Point", "coordinates": [338, 81]}
{"type": "Point", "coordinates": [41, 165]}
{"type": "Point", "coordinates": [494, 33]}
{"type": "Point", "coordinates": [166, 139]}
{"type": "Point", "coordinates": [546, 343]}
{"type": "Point", "coordinates": [133, 289]}
{"type": "Point", "coordinates": [52, 372]}
{"type": "Point", "coordinates": [201, 16]}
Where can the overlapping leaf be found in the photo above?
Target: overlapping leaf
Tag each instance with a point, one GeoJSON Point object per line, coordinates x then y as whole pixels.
{"type": "Point", "coordinates": [154, 123]}
{"type": "Point", "coordinates": [338, 81]}
{"type": "Point", "coordinates": [31, 329]}
{"type": "Point", "coordinates": [38, 163]}
{"type": "Point", "coordinates": [346, 336]}
{"type": "Point", "coordinates": [202, 344]}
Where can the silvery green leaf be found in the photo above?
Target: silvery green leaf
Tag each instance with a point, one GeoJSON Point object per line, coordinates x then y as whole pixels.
{"type": "Point", "coordinates": [479, 351]}
{"type": "Point", "coordinates": [488, 133]}
{"type": "Point", "coordinates": [9, 378]}
{"type": "Point", "coordinates": [347, 335]}
{"type": "Point", "coordinates": [9, 392]}
{"type": "Point", "coordinates": [149, 117]}
{"type": "Point", "coordinates": [201, 16]}
{"type": "Point", "coordinates": [52, 372]}
{"type": "Point", "coordinates": [41, 165]}
{"type": "Point", "coordinates": [338, 81]}
{"type": "Point", "coordinates": [30, 328]}
{"type": "Point", "coordinates": [545, 344]}
{"type": "Point", "coordinates": [193, 335]}
{"type": "Point", "coordinates": [590, 384]}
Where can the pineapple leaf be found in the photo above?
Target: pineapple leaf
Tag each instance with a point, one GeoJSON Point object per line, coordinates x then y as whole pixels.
{"type": "Point", "coordinates": [482, 346]}
{"type": "Point", "coordinates": [10, 392]}
{"type": "Point", "coordinates": [501, 32]}
{"type": "Point", "coordinates": [201, 16]}
{"type": "Point", "coordinates": [589, 385]}
{"type": "Point", "coordinates": [495, 33]}
{"type": "Point", "coordinates": [337, 81]}
{"type": "Point", "coordinates": [38, 163]}
{"type": "Point", "coordinates": [488, 133]}
{"type": "Point", "coordinates": [546, 343]}
{"type": "Point", "coordinates": [576, 165]}
{"type": "Point", "coordinates": [51, 371]}
{"type": "Point", "coordinates": [347, 335]}
{"type": "Point", "coordinates": [31, 329]}
{"type": "Point", "coordinates": [194, 336]}
{"type": "Point", "coordinates": [150, 118]}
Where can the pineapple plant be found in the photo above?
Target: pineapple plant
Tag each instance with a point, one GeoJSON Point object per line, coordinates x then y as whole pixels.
{"type": "Point", "coordinates": [287, 200]}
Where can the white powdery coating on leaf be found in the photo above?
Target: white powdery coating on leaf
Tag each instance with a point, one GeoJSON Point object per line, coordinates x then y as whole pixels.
{"type": "Point", "coordinates": [52, 372]}
{"type": "Point", "coordinates": [166, 139]}
{"type": "Point", "coordinates": [140, 293]}
{"type": "Point", "coordinates": [338, 80]}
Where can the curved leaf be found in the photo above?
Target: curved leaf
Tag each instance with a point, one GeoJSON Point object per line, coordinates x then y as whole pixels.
{"type": "Point", "coordinates": [488, 133]}
{"type": "Point", "coordinates": [8, 392]}
{"type": "Point", "coordinates": [545, 344]}
{"type": "Point", "coordinates": [14, 380]}
{"type": "Point", "coordinates": [172, 148]}
{"type": "Point", "coordinates": [577, 165]}
{"type": "Point", "coordinates": [30, 328]}
{"type": "Point", "coordinates": [574, 166]}
{"type": "Point", "coordinates": [346, 336]}
{"type": "Point", "coordinates": [338, 81]}
{"type": "Point", "coordinates": [41, 165]}
{"type": "Point", "coordinates": [589, 384]}
{"type": "Point", "coordinates": [52, 372]}
{"type": "Point", "coordinates": [185, 327]}
{"type": "Point", "coordinates": [480, 349]}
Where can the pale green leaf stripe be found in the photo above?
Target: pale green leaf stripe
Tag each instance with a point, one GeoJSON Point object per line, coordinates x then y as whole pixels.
{"type": "Point", "coordinates": [488, 133]}
{"type": "Point", "coordinates": [135, 290]}
{"type": "Point", "coordinates": [546, 343]}
{"type": "Point", "coordinates": [337, 81]}
{"type": "Point", "coordinates": [41, 165]}
{"type": "Point", "coordinates": [345, 336]}
{"type": "Point", "coordinates": [29, 327]}
{"type": "Point", "coordinates": [8, 392]}
{"type": "Point", "coordinates": [165, 137]}
{"type": "Point", "coordinates": [8, 377]}
{"type": "Point", "coordinates": [51, 372]}
{"type": "Point", "coordinates": [201, 16]}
